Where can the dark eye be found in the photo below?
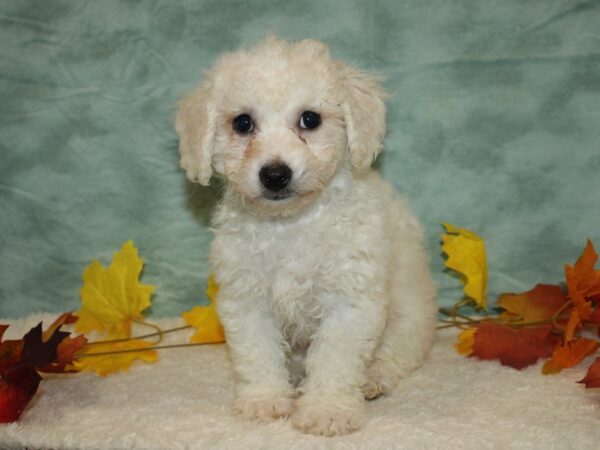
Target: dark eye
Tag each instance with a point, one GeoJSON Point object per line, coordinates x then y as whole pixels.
{"type": "Point", "coordinates": [309, 120]}
{"type": "Point", "coordinates": [243, 124]}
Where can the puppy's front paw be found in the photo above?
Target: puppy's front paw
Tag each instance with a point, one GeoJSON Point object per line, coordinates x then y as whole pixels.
{"type": "Point", "coordinates": [325, 420]}
{"type": "Point", "coordinates": [263, 407]}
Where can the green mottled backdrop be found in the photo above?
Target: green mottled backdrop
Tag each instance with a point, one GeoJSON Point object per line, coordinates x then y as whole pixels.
{"type": "Point", "coordinates": [494, 125]}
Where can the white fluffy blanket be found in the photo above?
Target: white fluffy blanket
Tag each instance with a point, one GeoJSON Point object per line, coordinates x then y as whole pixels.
{"type": "Point", "coordinates": [183, 402]}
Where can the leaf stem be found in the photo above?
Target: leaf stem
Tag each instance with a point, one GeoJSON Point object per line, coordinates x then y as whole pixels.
{"type": "Point", "coordinates": [469, 321]}
{"type": "Point", "coordinates": [453, 314]}
{"type": "Point", "coordinates": [154, 326]}
{"type": "Point", "coordinates": [555, 317]}
{"type": "Point", "coordinates": [144, 336]}
{"type": "Point", "coordinates": [157, 347]}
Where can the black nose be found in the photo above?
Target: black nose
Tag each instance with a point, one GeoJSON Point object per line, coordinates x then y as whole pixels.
{"type": "Point", "coordinates": [275, 177]}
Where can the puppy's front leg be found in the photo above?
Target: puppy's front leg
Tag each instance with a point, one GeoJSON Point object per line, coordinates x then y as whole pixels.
{"type": "Point", "coordinates": [256, 347]}
{"type": "Point", "coordinates": [332, 401]}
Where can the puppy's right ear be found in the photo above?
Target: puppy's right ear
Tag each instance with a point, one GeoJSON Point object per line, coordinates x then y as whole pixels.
{"type": "Point", "coordinates": [195, 123]}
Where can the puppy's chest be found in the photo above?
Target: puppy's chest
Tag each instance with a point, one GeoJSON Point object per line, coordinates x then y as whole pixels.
{"type": "Point", "coordinates": [290, 268]}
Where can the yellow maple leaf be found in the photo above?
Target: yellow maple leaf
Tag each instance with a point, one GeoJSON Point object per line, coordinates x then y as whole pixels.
{"type": "Point", "coordinates": [205, 318]}
{"type": "Point", "coordinates": [113, 356]}
{"type": "Point", "coordinates": [465, 341]}
{"type": "Point", "coordinates": [111, 298]}
{"type": "Point", "coordinates": [466, 255]}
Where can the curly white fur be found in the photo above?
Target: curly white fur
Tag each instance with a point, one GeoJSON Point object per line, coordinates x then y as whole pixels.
{"type": "Point", "coordinates": [326, 295]}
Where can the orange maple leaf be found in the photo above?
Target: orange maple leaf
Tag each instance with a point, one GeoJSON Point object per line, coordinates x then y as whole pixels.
{"type": "Point", "coordinates": [583, 283]}
{"type": "Point", "coordinates": [572, 325]}
{"type": "Point", "coordinates": [64, 319]}
{"type": "Point", "coordinates": [570, 354]}
{"type": "Point", "coordinates": [65, 355]}
{"type": "Point", "coordinates": [588, 279]}
{"type": "Point", "coordinates": [539, 304]}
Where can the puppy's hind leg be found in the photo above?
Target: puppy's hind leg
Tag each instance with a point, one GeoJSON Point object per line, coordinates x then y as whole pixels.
{"type": "Point", "coordinates": [410, 327]}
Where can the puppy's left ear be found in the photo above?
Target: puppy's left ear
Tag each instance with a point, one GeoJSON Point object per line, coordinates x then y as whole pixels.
{"type": "Point", "coordinates": [364, 114]}
{"type": "Point", "coordinates": [196, 123]}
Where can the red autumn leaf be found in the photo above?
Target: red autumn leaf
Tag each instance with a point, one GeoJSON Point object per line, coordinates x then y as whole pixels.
{"type": "Point", "coordinates": [16, 391]}
{"type": "Point", "coordinates": [66, 349]}
{"type": "Point", "coordinates": [37, 352]}
{"type": "Point", "coordinates": [10, 351]}
{"type": "Point", "coordinates": [514, 347]}
{"type": "Point", "coordinates": [592, 377]}
{"type": "Point", "coordinates": [17, 386]}
{"type": "Point", "coordinates": [19, 361]}
{"type": "Point", "coordinates": [595, 317]}
{"type": "Point", "coordinates": [570, 354]}
{"type": "Point", "coordinates": [540, 303]}
{"type": "Point", "coordinates": [12, 402]}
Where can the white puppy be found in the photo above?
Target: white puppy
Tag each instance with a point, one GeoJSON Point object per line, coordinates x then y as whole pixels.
{"type": "Point", "coordinates": [325, 291]}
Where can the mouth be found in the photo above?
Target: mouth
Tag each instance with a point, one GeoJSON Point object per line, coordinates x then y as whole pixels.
{"type": "Point", "coordinates": [278, 196]}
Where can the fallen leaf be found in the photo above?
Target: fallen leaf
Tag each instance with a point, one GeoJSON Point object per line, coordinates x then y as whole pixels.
{"type": "Point", "coordinates": [16, 392]}
{"type": "Point", "coordinates": [65, 355]}
{"type": "Point", "coordinates": [205, 318]}
{"type": "Point", "coordinates": [588, 279]}
{"type": "Point", "coordinates": [539, 304]}
{"type": "Point", "coordinates": [592, 377]}
{"type": "Point", "coordinates": [67, 349]}
{"type": "Point", "coordinates": [594, 318]}
{"type": "Point", "coordinates": [514, 347]}
{"type": "Point", "coordinates": [573, 325]}
{"type": "Point", "coordinates": [113, 297]}
{"type": "Point", "coordinates": [466, 255]}
{"type": "Point", "coordinates": [19, 362]}
{"type": "Point", "coordinates": [64, 319]}
{"type": "Point", "coordinates": [10, 351]}
{"type": "Point", "coordinates": [583, 283]}
{"type": "Point", "coordinates": [583, 307]}
{"type": "Point", "coordinates": [13, 399]}
{"type": "Point", "coordinates": [112, 357]}
{"type": "Point", "coordinates": [569, 355]}
{"type": "Point", "coordinates": [465, 341]}
{"type": "Point", "coordinates": [37, 352]}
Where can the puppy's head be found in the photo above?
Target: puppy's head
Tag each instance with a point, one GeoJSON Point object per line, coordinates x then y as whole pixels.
{"type": "Point", "coordinates": [278, 121]}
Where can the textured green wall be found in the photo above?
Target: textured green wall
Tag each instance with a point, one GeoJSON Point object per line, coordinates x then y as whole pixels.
{"type": "Point", "coordinates": [494, 125]}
